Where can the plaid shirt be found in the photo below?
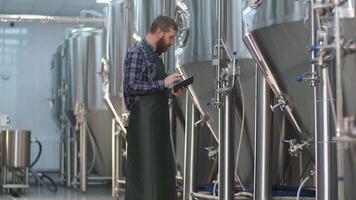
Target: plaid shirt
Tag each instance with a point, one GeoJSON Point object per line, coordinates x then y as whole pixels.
{"type": "Point", "coordinates": [139, 72]}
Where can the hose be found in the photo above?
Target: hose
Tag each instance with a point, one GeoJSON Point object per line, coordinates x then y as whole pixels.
{"type": "Point", "coordinates": [38, 155]}
{"type": "Point", "coordinates": [243, 194]}
{"type": "Point", "coordinates": [41, 177]}
{"type": "Point", "coordinates": [241, 133]}
{"type": "Point", "coordinates": [215, 186]}
{"type": "Point", "coordinates": [302, 184]}
{"type": "Point", "coordinates": [91, 138]}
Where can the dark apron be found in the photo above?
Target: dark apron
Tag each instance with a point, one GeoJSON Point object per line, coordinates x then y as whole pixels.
{"type": "Point", "coordinates": [150, 161]}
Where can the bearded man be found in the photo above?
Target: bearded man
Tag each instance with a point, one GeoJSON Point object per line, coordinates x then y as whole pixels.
{"type": "Point", "coordinates": [150, 160]}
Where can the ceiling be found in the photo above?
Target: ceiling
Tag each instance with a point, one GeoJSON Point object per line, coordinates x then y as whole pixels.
{"type": "Point", "coordinates": [49, 7]}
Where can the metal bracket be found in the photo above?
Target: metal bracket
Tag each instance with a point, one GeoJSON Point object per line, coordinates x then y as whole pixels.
{"type": "Point", "coordinates": [202, 121]}
{"type": "Point", "coordinates": [280, 104]}
{"type": "Point", "coordinates": [312, 78]}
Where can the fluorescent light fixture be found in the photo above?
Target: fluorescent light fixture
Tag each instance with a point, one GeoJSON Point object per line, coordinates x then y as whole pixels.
{"type": "Point", "coordinates": [103, 1]}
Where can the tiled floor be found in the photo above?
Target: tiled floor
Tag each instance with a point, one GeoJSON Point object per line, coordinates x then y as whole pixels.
{"type": "Point", "coordinates": [37, 193]}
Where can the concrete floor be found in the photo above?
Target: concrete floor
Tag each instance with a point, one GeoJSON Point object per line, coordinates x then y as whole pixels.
{"type": "Point", "coordinates": [38, 193]}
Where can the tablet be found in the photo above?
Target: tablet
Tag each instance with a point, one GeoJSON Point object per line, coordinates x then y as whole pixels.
{"type": "Point", "coordinates": [181, 84]}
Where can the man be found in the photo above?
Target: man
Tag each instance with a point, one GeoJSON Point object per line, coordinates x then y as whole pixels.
{"type": "Point", "coordinates": [150, 161]}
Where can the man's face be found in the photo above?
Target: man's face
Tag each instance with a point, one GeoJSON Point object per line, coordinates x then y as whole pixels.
{"type": "Point", "coordinates": [166, 40]}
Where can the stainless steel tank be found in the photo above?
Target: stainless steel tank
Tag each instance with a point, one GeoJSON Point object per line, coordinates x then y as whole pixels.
{"type": "Point", "coordinates": [83, 54]}
{"type": "Point", "coordinates": [282, 31]}
{"type": "Point", "coordinates": [16, 148]}
{"type": "Point", "coordinates": [127, 22]}
{"type": "Point", "coordinates": [198, 21]}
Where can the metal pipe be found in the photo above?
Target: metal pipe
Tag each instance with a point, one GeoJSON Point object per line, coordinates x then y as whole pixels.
{"type": "Point", "coordinates": [325, 165]}
{"type": "Point", "coordinates": [113, 159]}
{"type": "Point", "coordinates": [315, 93]}
{"type": "Point", "coordinates": [51, 19]}
{"type": "Point", "coordinates": [119, 140]}
{"type": "Point", "coordinates": [83, 157]}
{"type": "Point", "coordinates": [121, 181]}
{"type": "Point", "coordinates": [68, 142]}
{"type": "Point", "coordinates": [339, 102]}
{"type": "Point", "coordinates": [186, 183]}
{"type": "Point", "coordinates": [172, 125]}
{"type": "Point", "coordinates": [193, 146]}
{"type": "Point", "coordinates": [98, 178]}
{"type": "Point", "coordinates": [251, 43]}
{"type": "Point", "coordinates": [62, 153]}
{"type": "Point", "coordinates": [226, 164]}
{"type": "Point", "coordinates": [75, 161]}
{"type": "Point", "coordinates": [263, 135]}
{"type": "Point", "coordinates": [189, 147]}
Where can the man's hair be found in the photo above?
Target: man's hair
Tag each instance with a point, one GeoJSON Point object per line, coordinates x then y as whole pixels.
{"type": "Point", "coordinates": [164, 23]}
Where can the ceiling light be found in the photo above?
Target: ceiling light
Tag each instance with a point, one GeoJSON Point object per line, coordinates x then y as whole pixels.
{"type": "Point", "coordinates": [103, 1]}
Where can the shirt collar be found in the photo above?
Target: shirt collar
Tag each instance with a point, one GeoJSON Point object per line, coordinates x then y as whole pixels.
{"type": "Point", "coordinates": [154, 51]}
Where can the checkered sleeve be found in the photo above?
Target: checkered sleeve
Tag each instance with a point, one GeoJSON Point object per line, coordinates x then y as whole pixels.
{"type": "Point", "coordinates": [136, 80]}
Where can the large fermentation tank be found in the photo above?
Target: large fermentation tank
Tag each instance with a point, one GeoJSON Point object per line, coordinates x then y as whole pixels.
{"type": "Point", "coordinates": [282, 31]}
{"type": "Point", "coordinates": [83, 57]}
{"type": "Point", "coordinates": [198, 21]}
{"type": "Point", "coordinates": [126, 22]}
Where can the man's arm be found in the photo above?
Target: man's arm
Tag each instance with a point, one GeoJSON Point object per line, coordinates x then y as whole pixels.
{"type": "Point", "coordinates": [135, 81]}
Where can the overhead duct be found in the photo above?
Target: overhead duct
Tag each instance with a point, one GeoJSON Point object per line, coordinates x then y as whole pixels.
{"type": "Point", "coordinates": [51, 19]}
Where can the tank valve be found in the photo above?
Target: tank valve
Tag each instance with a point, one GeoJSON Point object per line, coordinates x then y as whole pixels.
{"type": "Point", "coordinates": [310, 78]}
{"type": "Point", "coordinates": [212, 152]}
{"type": "Point", "coordinates": [295, 148]}
{"type": "Point", "coordinates": [314, 48]}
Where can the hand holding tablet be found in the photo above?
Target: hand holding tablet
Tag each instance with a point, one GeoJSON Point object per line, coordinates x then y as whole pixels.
{"type": "Point", "coordinates": [182, 84]}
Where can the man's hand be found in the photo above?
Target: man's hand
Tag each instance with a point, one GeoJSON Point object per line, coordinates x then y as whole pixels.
{"type": "Point", "coordinates": [179, 92]}
{"type": "Point", "coordinates": [171, 79]}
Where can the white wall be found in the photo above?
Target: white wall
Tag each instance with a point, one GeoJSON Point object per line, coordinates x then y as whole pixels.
{"type": "Point", "coordinates": [25, 83]}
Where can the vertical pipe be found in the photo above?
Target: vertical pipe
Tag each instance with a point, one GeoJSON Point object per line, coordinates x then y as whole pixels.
{"type": "Point", "coordinates": [4, 175]}
{"type": "Point", "coordinates": [339, 102]}
{"type": "Point", "coordinates": [262, 138]}
{"type": "Point", "coordinates": [172, 124]}
{"type": "Point", "coordinates": [118, 150]}
{"type": "Point", "coordinates": [75, 161]}
{"type": "Point", "coordinates": [193, 147]}
{"type": "Point", "coordinates": [189, 149]}
{"type": "Point", "coordinates": [83, 157]}
{"type": "Point", "coordinates": [218, 99]}
{"type": "Point", "coordinates": [226, 154]}
{"type": "Point", "coordinates": [68, 153]}
{"type": "Point", "coordinates": [26, 177]}
{"type": "Point", "coordinates": [315, 92]}
{"type": "Point", "coordinates": [63, 139]}
{"type": "Point", "coordinates": [187, 183]}
{"type": "Point", "coordinates": [113, 160]}
{"type": "Point", "coordinates": [325, 178]}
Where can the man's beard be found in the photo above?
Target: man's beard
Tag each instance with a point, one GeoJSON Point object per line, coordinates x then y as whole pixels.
{"type": "Point", "coordinates": [161, 46]}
